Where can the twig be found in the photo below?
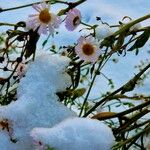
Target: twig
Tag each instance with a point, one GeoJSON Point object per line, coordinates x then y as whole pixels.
{"type": "Point", "coordinates": [122, 88]}
{"type": "Point", "coordinates": [91, 85]}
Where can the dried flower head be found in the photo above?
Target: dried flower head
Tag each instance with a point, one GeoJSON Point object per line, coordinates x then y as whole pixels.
{"type": "Point", "coordinates": [73, 19]}
{"type": "Point", "coordinates": [43, 21]}
{"type": "Point", "coordinates": [21, 70]}
{"type": "Point", "coordinates": [88, 49]}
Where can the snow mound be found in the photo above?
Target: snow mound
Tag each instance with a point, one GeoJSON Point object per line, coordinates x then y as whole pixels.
{"type": "Point", "coordinates": [74, 134]}
{"type": "Point", "coordinates": [37, 104]}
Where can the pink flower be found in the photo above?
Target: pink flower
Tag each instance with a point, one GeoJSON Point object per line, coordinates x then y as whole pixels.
{"type": "Point", "coordinates": [73, 19]}
{"type": "Point", "coordinates": [88, 49]}
{"type": "Point", "coordinates": [43, 21]}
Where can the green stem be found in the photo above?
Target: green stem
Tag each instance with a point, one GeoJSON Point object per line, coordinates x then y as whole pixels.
{"type": "Point", "coordinates": [127, 26]}
{"type": "Point", "coordinates": [28, 5]}
{"type": "Point", "coordinates": [91, 85]}
{"type": "Point", "coordinates": [105, 99]}
{"type": "Point", "coordinates": [70, 6]}
{"type": "Point", "coordinates": [128, 111]}
{"type": "Point", "coordinates": [6, 24]}
{"type": "Point", "coordinates": [130, 140]}
{"type": "Point", "coordinates": [85, 24]}
{"type": "Point", "coordinates": [135, 126]}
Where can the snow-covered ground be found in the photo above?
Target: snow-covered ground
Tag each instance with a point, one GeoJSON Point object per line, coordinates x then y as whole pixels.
{"type": "Point", "coordinates": [111, 12]}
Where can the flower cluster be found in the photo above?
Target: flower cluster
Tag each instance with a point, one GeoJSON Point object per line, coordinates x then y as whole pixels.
{"type": "Point", "coordinates": [45, 20]}
{"type": "Point", "coordinates": [87, 48]}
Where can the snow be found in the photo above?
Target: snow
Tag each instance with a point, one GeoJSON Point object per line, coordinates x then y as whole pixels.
{"type": "Point", "coordinates": [103, 31]}
{"type": "Point", "coordinates": [38, 110]}
{"type": "Point", "coordinates": [75, 134]}
{"type": "Point", "coordinates": [37, 104]}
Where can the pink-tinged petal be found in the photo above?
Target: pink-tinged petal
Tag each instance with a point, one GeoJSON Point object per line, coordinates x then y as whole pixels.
{"type": "Point", "coordinates": [57, 22]}
{"type": "Point", "coordinates": [81, 39]}
{"type": "Point", "coordinates": [33, 15]}
{"type": "Point", "coordinates": [29, 24]}
{"type": "Point", "coordinates": [49, 6]}
{"type": "Point", "coordinates": [37, 25]}
{"type": "Point", "coordinates": [36, 7]}
{"type": "Point", "coordinates": [42, 29]}
{"type": "Point", "coordinates": [32, 23]}
{"type": "Point", "coordinates": [76, 12]}
{"type": "Point", "coordinates": [69, 27]}
{"type": "Point", "coordinates": [69, 21]}
{"type": "Point", "coordinates": [44, 5]}
{"type": "Point", "coordinates": [51, 29]}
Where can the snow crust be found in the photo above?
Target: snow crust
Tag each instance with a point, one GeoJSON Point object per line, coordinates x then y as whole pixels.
{"type": "Point", "coordinates": [37, 104]}
{"type": "Point", "coordinates": [37, 119]}
{"type": "Point", "coordinates": [76, 134]}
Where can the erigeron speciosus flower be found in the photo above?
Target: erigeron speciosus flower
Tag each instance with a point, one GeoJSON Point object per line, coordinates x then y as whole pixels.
{"type": "Point", "coordinates": [88, 49]}
{"type": "Point", "coordinates": [44, 20]}
{"type": "Point", "coordinates": [73, 19]}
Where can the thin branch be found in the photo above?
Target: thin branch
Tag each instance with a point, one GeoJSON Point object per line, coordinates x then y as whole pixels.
{"type": "Point", "coordinates": [91, 85]}
{"type": "Point", "coordinates": [127, 26]}
{"type": "Point", "coordinates": [122, 88]}
{"type": "Point", "coordinates": [28, 5]}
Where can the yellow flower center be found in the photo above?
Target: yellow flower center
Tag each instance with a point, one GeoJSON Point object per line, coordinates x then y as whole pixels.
{"type": "Point", "coordinates": [76, 21]}
{"type": "Point", "coordinates": [88, 49]}
{"type": "Point", "coordinates": [45, 16]}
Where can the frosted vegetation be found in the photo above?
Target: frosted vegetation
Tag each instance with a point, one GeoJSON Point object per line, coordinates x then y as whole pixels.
{"type": "Point", "coordinates": [46, 101]}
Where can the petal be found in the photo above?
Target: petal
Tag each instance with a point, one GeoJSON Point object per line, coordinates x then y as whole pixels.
{"type": "Point", "coordinates": [44, 5]}
{"type": "Point", "coordinates": [33, 15]}
{"type": "Point", "coordinates": [42, 29]}
{"type": "Point", "coordinates": [51, 29]}
{"type": "Point", "coordinates": [57, 22]}
{"type": "Point", "coordinates": [36, 7]}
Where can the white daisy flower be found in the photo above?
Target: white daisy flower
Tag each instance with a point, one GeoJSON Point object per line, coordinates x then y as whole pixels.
{"type": "Point", "coordinates": [88, 49]}
{"type": "Point", "coordinates": [43, 21]}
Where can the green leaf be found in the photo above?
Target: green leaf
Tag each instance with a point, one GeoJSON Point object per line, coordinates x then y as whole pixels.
{"type": "Point", "coordinates": [13, 33]}
{"type": "Point", "coordinates": [142, 39]}
{"type": "Point", "coordinates": [108, 42]}
{"type": "Point", "coordinates": [31, 44]}
{"type": "Point", "coordinates": [120, 42]}
{"type": "Point", "coordinates": [45, 41]}
{"type": "Point", "coordinates": [50, 148]}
